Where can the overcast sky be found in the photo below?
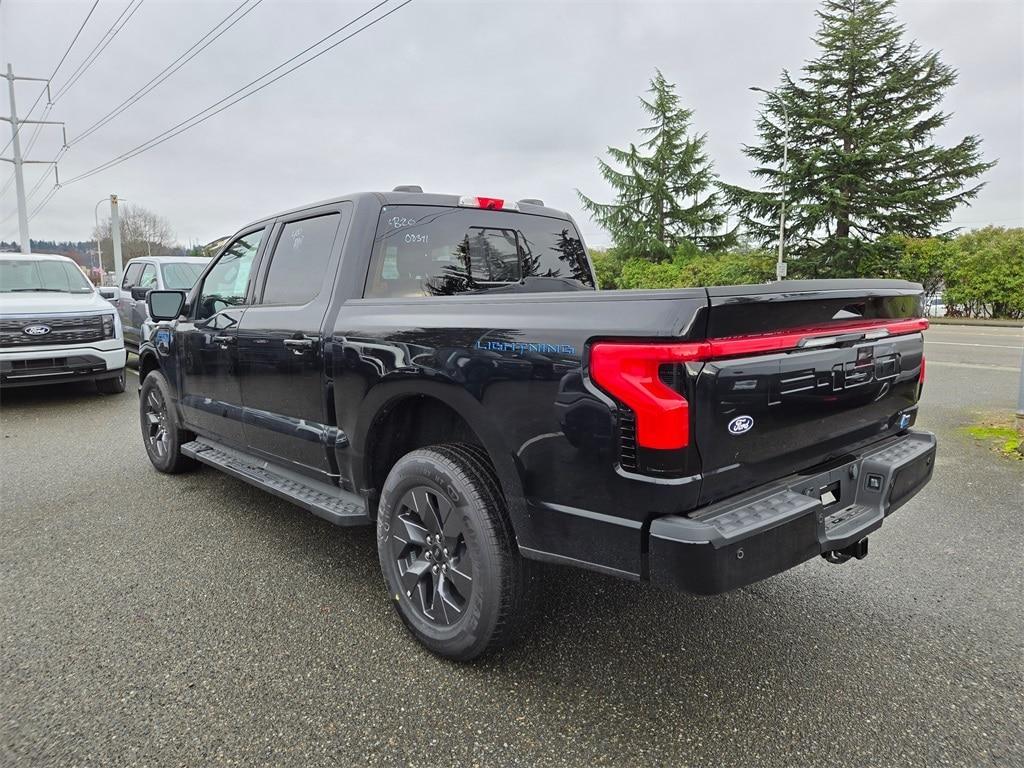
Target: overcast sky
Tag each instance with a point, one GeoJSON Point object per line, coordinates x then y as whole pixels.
{"type": "Point", "coordinates": [510, 99]}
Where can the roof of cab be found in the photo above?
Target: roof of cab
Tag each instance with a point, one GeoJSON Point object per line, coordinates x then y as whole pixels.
{"type": "Point", "coordinates": [35, 256]}
{"type": "Point", "coordinates": [409, 198]}
{"type": "Point", "coordinates": [173, 259]}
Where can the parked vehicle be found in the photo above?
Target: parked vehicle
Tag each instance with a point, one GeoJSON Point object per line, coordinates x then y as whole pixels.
{"type": "Point", "coordinates": [442, 367]}
{"type": "Point", "coordinates": [143, 275]}
{"type": "Point", "coordinates": [55, 327]}
{"type": "Point", "coordinates": [935, 306]}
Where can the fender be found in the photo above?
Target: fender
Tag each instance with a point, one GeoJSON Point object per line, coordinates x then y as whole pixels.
{"type": "Point", "coordinates": [382, 396]}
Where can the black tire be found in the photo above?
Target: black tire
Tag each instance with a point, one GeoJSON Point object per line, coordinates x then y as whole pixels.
{"type": "Point", "coordinates": [114, 386]}
{"type": "Point", "coordinates": [161, 433]}
{"type": "Point", "coordinates": [454, 617]}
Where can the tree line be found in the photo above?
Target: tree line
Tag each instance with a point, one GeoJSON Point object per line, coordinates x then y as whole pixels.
{"type": "Point", "coordinates": [143, 233]}
{"type": "Point", "coordinates": [846, 148]}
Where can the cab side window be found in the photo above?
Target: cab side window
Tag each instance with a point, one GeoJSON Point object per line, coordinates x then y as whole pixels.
{"type": "Point", "coordinates": [227, 283]}
{"type": "Point", "coordinates": [131, 276]}
{"type": "Point", "coordinates": [148, 278]}
{"type": "Point", "coordinates": [298, 266]}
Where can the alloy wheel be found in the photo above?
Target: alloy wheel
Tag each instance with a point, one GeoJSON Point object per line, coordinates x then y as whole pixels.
{"type": "Point", "coordinates": [434, 564]}
{"type": "Point", "coordinates": [156, 423]}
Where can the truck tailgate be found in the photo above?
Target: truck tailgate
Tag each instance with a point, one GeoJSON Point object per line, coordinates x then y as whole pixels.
{"type": "Point", "coordinates": [805, 373]}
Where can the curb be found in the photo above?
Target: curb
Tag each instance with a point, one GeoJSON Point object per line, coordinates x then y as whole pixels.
{"type": "Point", "coordinates": [980, 321]}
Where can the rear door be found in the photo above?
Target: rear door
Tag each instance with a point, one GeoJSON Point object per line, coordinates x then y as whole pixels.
{"type": "Point", "coordinates": [281, 347]}
{"type": "Point", "coordinates": [803, 374]}
{"type": "Point", "coordinates": [211, 398]}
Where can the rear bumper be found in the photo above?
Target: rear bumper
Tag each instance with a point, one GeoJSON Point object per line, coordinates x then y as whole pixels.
{"type": "Point", "coordinates": [54, 365]}
{"type": "Point", "coordinates": [777, 526]}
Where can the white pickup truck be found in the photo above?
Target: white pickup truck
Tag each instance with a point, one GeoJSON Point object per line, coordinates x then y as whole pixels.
{"type": "Point", "coordinates": [55, 327]}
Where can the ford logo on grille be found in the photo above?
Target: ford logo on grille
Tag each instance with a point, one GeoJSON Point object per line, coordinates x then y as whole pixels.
{"type": "Point", "coordinates": [741, 424]}
{"type": "Point", "coordinates": [36, 330]}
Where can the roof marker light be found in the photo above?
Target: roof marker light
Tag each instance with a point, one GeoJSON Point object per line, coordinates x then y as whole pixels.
{"type": "Point", "coordinates": [488, 203]}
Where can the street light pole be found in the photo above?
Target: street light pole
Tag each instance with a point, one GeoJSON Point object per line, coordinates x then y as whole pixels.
{"type": "Point", "coordinates": [780, 266]}
{"type": "Point", "coordinates": [99, 250]}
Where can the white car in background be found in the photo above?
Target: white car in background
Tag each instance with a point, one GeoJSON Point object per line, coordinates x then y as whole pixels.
{"type": "Point", "coordinates": [55, 327]}
{"type": "Point", "coordinates": [935, 306]}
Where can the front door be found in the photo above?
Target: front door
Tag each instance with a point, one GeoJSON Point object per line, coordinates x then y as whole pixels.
{"type": "Point", "coordinates": [126, 304]}
{"type": "Point", "coordinates": [140, 312]}
{"type": "Point", "coordinates": [280, 347]}
{"type": "Point", "coordinates": [211, 399]}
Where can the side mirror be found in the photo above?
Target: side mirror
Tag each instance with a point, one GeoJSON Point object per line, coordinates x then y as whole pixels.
{"type": "Point", "coordinates": [109, 292]}
{"type": "Point", "coordinates": [165, 305]}
{"type": "Point", "coordinates": [139, 293]}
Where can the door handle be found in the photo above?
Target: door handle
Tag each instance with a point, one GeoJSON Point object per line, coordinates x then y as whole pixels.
{"type": "Point", "coordinates": [299, 344]}
{"type": "Point", "coordinates": [224, 339]}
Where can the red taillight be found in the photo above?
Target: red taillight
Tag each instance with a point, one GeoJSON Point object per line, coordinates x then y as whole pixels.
{"type": "Point", "coordinates": [629, 372]}
{"type": "Point", "coordinates": [781, 341]}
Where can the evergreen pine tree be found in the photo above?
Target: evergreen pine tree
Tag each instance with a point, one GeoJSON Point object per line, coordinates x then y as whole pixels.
{"type": "Point", "coordinates": [662, 192]}
{"type": "Point", "coordinates": [862, 163]}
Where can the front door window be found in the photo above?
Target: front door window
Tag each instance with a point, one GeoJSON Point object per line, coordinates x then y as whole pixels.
{"type": "Point", "coordinates": [227, 283]}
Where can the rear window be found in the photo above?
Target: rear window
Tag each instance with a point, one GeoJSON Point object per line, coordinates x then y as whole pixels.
{"type": "Point", "coordinates": [437, 251]}
{"type": "Point", "coordinates": [181, 276]}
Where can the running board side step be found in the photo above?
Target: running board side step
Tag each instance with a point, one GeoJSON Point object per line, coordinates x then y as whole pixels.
{"type": "Point", "coordinates": [333, 504]}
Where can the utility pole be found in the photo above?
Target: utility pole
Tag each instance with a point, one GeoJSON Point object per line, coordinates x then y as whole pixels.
{"type": "Point", "coordinates": [17, 160]}
{"type": "Point", "coordinates": [115, 236]}
{"type": "Point", "coordinates": [99, 250]}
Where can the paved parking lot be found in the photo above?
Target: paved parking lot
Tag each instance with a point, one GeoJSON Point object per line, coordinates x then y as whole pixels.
{"type": "Point", "coordinates": [154, 620]}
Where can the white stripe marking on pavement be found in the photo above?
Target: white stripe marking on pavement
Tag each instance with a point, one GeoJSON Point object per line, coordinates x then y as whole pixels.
{"type": "Point", "coordinates": [965, 344]}
{"type": "Point", "coordinates": [972, 365]}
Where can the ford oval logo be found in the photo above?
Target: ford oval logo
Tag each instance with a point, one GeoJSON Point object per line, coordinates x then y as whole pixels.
{"type": "Point", "coordinates": [741, 424]}
{"type": "Point", "coordinates": [36, 330]}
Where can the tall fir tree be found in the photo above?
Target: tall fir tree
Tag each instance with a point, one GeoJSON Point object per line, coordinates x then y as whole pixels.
{"type": "Point", "coordinates": [862, 162]}
{"type": "Point", "coordinates": [665, 193]}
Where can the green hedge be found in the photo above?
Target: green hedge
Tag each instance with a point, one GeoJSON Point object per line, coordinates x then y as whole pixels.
{"type": "Point", "coordinates": [979, 273]}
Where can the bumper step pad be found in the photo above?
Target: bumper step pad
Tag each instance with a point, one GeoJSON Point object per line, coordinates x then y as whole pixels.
{"type": "Point", "coordinates": [322, 499]}
{"type": "Point", "coordinates": [764, 532]}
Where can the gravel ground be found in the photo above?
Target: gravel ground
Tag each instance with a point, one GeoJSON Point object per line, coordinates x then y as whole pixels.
{"type": "Point", "coordinates": [193, 620]}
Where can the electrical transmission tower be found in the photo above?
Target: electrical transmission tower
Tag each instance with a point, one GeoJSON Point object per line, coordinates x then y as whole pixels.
{"type": "Point", "coordinates": [17, 160]}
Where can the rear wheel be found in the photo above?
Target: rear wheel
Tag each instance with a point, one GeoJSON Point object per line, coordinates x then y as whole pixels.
{"type": "Point", "coordinates": [447, 551]}
{"type": "Point", "coordinates": [161, 433]}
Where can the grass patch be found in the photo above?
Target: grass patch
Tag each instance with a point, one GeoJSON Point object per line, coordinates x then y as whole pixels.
{"type": "Point", "coordinates": [1002, 435]}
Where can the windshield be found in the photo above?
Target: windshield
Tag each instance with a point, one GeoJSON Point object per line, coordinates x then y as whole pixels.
{"type": "Point", "coordinates": [27, 275]}
{"type": "Point", "coordinates": [181, 276]}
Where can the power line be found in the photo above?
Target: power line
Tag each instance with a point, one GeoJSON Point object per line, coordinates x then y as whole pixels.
{"type": "Point", "coordinates": [43, 202]}
{"type": "Point", "coordinates": [230, 99]}
{"type": "Point", "coordinates": [200, 45]}
{"type": "Point", "coordinates": [94, 54]}
{"type": "Point", "coordinates": [52, 74]}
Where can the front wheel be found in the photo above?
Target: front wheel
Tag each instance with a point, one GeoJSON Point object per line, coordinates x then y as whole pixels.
{"type": "Point", "coordinates": [113, 386]}
{"type": "Point", "coordinates": [161, 433]}
{"type": "Point", "coordinates": [447, 551]}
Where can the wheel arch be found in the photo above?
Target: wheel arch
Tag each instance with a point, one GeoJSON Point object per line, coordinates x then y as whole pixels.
{"type": "Point", "coordinates": [382, 412]}
{"type": "Point", "coordinates": [148, 362]}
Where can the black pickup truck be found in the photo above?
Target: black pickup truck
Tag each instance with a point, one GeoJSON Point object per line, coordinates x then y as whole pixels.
{"type": "Point", "coordinates": [443, 367]}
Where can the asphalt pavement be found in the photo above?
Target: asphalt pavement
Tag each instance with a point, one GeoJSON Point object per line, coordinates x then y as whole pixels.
{"type": "Point", "coordinates": [193, 620]}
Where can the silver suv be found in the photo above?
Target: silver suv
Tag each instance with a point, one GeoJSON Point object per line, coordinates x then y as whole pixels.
{"type": "Point", "coordinates": [147, 273]}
